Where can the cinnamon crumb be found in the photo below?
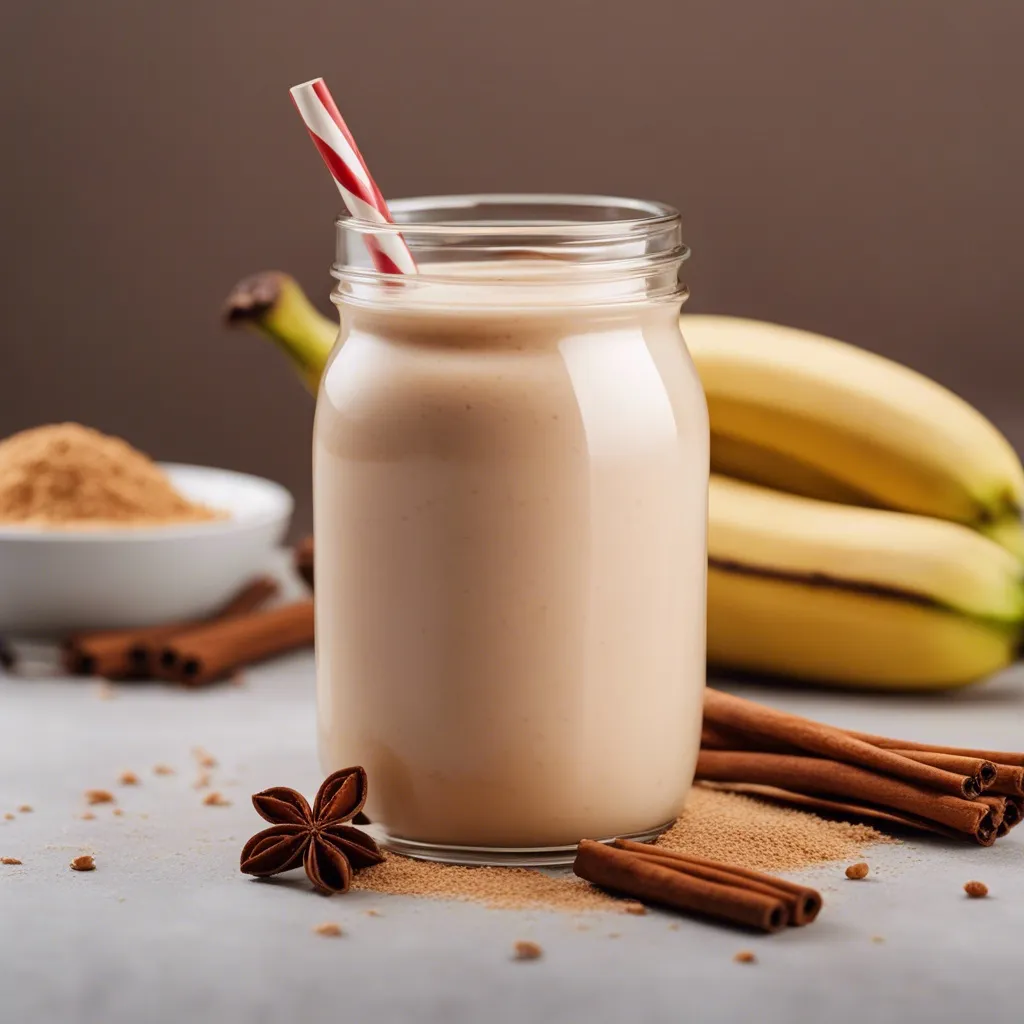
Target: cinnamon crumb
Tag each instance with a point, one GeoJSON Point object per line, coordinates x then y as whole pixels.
{"type": "Point", "coordinates": [128, 779]}
{"type": "Point", "coordinates": [216, 799]}
{"type": "Point", "coordinates": [117, 812]}
{"type": "Point", "coordinates": [99, 796]}
{"type": "Point", "coordinates": [204, 759]}
{"type": "Point", "coordinates": [162, 769]}
{"type": "Point", "coordinates": [87, 816]}
{"type": "Point", "coordinates": [202, 781]}
{"type": "Point", "coordinates": [744, 956]}
{"type": "Point", "coordinates": [674, 926]}
{"type": "Point", "coordinates": [25, 808]}
{"type": "Point", "coordinates": [857, 871]}
{"type": "Point", "coordinates": [8, 816]}
{"type": "Point", "coordinates": [328, 928]}
{"type": "Point", "coordinates": [614, 935]}
{"type": "Point", "coordinates": [527, 951]}
{"type": "Point", "coordinates": [976, 890]}
{"type": "Point", "coordinates": [633, 907]}
{"type": "Point", "coordinates": [9, 860]}
{"type": "Point", "coordinates": [83, 863]}
{"type": "Point", "coordinates": [372, 912]}
{"type": "Point", "coordinates": [877, 939]}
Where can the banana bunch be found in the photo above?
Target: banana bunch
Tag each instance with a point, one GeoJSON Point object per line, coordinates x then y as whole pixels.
{"type": "Point", "coordinates": [864, 522]}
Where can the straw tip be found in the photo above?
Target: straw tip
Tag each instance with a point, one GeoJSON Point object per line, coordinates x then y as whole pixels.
{"type": "Point", "coordinates": [302, 87]}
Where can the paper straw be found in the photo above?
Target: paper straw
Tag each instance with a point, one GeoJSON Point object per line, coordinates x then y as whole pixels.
{"type": "Point", "coordinates": [362, 198]}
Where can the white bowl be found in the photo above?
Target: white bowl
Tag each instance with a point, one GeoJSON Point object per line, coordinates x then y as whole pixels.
{"type": "Point", "coordinates": [54, 581]}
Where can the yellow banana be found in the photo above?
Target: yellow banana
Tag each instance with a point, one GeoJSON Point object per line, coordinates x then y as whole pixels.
{"type": "Point", "coordinates": [854, 596]}
{"type": "Point", "coordinates": [841, 422]}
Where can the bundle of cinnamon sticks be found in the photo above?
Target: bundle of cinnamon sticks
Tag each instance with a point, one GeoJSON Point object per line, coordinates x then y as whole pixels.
{"type": "Point", "coordinates": [198, 651]}
{"type": "Point", "coordinates": [749, 748]}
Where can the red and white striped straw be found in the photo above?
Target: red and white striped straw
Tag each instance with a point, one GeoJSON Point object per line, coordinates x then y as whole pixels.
{"type": "Point", "coordinates": [363, 199]}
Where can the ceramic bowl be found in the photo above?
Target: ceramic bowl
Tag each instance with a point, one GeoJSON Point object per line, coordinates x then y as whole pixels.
{"type": "Point", "coordinates": [54, 581]}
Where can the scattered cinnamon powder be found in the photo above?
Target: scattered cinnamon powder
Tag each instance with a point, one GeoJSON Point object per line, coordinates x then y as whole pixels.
{"type": "Point", "coordinates": [204, 759]}
{"type": "Point", "coordinates": [88, 816]}
{"type": "Point", "coordinates": [9, 860]}
{"type": "Point", "coordinates": [83, 863]}
{"type": "Point", "coordinates": [524, 950]}
{"type": "Point", "coordinates": [99, 796]}
{"type": "Point", "coordinates": [744, 956]}
{"type": "Point", "coordinates": [976, 890]}
{"type": "Point", "coordinates": [25, 808]}
{"type": "Point", "coordinates": [506, 888]}
{"type": "Point", "coordinates": [65, 473]}
{"type": "Point", "coordinates": [878, 939]}
{"type": "Point", "coordinates": [216, 799]}
{"type": "Point", "coordinates": [202, 780]}
{"type": "Point", "coordinates": [162, 769]}
{"type": "Point", "coordinates": [328, 928]}
{"type": "Point", "coordinates": [117, 812]}
{"type": "Point", "coordinates": [128, 779]}
{"type": "Point", "coordinates": [715, 824]}
{"type": "Point", "coordinates": [8, 816]}
{"type": "Point", "coordinates": [766, 837]}
{"type": "Point", "coordinates": [857, 871]}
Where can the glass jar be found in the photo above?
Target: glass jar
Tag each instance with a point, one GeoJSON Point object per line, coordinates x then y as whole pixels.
{"type": "Point", "coordinates": [510, 484]}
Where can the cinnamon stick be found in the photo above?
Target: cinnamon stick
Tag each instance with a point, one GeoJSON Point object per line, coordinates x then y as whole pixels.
{"type": "Point", "coordinates": [821, 777]}
{"type": "Point", "coordinates": [999, 779]}
{"type": "Point", "coordinates": [211, 652]}
{"type": "Point", "coordinates": [303, 559]}
{"type": "Point", "coordinates": [995, 756]}
{"type": "Point", "coordinates": [803, 903]}
{"type": "Point", "coordinates": [645, 879]}
{"type": "Point", "coordinates": [998, 806]}
{"type": "Point", "coordinates": [848, 810]}
{"type": "Point", "coordinates": [1013, 815]}
{"type": "Point", "coordinates": [723, 710]}
{"type": "Point", "coordinates": [124, 653]}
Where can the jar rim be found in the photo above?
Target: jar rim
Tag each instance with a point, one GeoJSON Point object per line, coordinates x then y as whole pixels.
{"type": "Point", "coordinates": [636, 217]}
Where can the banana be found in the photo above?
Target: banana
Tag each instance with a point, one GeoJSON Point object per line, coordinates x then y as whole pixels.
{"type": "Point", "coordinates": [859, 597]}
{"type": "Point", "coordinates": [759, 465]}
{"type": "Point", "coordinates": [275, 304]}
{"type": "Point", "coordinates": [841, 422]}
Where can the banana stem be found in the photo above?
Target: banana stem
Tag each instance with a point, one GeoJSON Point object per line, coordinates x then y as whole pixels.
{"type": "Point", "coordinates": [274, 304]}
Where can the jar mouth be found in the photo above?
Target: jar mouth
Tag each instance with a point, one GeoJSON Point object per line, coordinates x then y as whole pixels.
{"type": "Point", "coordinates": [553, 216]}
{"type": "Point", "coordinates": [528, 250]}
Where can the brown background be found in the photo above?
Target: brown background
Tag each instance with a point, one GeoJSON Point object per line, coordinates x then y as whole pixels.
{"type": "Point", "coordinates": [850, 167]}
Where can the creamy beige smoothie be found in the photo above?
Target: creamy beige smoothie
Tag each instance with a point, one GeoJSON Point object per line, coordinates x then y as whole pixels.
{"type": "Point", "coordinates": [510, 502]}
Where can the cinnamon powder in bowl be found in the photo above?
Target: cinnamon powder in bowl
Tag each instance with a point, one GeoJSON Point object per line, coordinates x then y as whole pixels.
{"type": "Point", "coordinates": [94, 535]}
{"type": "Point", "coordinates": [65, 474]}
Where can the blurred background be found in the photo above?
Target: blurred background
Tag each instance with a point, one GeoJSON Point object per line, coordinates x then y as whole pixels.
{"type": "Point", "coordinates": [853, 168]}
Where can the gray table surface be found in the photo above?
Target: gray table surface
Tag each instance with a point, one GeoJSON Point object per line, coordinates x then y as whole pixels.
{"type": "Point", "coordinates": [167, 930]}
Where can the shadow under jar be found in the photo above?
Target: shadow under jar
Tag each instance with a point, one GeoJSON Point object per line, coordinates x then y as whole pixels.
{"type": "Point", "coordinates": [510, 481]}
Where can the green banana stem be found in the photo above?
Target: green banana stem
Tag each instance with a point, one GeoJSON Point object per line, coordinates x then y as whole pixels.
{"type": "Point", "coordinates": [274, 304]}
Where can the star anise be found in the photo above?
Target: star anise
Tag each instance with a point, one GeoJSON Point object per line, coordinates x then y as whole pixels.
{"type": "Point", "coordinates": [318, 839]}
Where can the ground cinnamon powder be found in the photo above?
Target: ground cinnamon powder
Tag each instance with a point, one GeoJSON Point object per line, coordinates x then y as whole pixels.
{"type": "Point", "coordinates": [718, 825]}
{"type": "Point", "coordinates": [65, 473]}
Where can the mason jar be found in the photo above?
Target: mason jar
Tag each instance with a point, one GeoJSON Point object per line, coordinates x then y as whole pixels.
{"type": "Point", "coordinates": [510, 485]}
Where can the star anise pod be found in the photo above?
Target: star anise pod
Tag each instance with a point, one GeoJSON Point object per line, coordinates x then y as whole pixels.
{"type": "Point", "coordinates": [318, 839]}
